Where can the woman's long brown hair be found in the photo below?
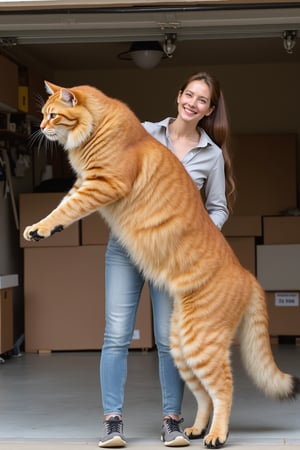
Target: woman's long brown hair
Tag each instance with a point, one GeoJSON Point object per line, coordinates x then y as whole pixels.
{"type": "Point", "coordinates": [217, 127]}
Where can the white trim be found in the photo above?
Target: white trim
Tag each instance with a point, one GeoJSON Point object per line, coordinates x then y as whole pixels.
{"type": "Point", "coordinates": [29, 4]}
{"type": "Point", "coordinates": [151, 25]}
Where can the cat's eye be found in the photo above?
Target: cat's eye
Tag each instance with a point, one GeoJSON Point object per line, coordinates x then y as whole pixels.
{"type": "Point", "coordinates": [52, 116]}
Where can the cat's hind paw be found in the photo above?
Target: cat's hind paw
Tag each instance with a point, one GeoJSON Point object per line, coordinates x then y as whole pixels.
{"type": "Point", "coordinates": [195, 433]}
{"type": "Point", "coordinates": [213, 441]}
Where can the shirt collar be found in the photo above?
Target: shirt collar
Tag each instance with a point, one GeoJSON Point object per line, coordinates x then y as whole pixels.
{"type": "Point", "coordinates": [204, 140]}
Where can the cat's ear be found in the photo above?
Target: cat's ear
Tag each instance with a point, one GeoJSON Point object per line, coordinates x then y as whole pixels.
{"type": "Point", "coordinates": [50, 87]}
{"type": "Point", "coordinates": [68, 97]}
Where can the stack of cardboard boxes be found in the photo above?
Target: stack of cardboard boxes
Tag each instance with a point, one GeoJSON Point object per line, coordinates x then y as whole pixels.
{"type": "Point", "coordinates": [241, 233]}
{"type": "Point", "coordinates": [278, 270]}
{"type": "Point", "coordinates": [265, 169]}
{"type": "Point", "coordinates": [64, 287]}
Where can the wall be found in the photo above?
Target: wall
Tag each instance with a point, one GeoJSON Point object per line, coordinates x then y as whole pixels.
{"type": "Point", "coordinates": [260, 98]}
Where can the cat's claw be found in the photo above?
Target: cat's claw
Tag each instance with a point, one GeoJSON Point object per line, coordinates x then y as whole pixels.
{"type": "Point", "coordinates": [35, 236]}
{"type": "Point", "coordinates": [57, 229]}
{"type": "Point", "coordinates": [217, 444]}
{"type": "Point", "coordinates": [214, 442]}
{"type": "Point", "coordinates": [194, 433]}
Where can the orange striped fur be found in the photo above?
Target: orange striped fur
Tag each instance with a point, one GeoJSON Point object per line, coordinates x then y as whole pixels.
{"type": "Point", "coordinates": [154, 208]}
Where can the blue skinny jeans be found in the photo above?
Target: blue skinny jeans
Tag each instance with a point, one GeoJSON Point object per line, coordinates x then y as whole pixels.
{"type": "Point", "coordinates": [123, 286]}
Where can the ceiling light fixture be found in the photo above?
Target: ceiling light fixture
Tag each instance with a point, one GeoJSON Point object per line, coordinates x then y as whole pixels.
{"type": "Point", "coordinates": [145, 54]}
{"type": "Point", "coordinates": [148, 54]}
{"type": "Point", "coordinates": [289, 40]}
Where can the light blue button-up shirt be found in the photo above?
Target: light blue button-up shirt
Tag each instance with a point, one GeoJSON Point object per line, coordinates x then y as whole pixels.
{"type": "Point", "coordinates": [205, 164]}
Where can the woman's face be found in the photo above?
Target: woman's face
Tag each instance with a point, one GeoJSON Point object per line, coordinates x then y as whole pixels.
{"type": "Point", "coordinates": [194, 102]}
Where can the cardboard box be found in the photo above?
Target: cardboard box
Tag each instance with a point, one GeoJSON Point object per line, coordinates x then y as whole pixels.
{"type": "Point", "coordinates": [265, 172]}
{"type": "Point", "coordinates": [36, 206]}
{"type": "Point", "coordinates": [284, 313]}
{"type": "Point", "coordinates": [64, 300]}
{"type": "Point", "coordinates": [244, 248]}
{"type": "Point", "coordinates": [243, 226]}
{"type": "Point", "coordinates": [6, 320]}
{"type": "Point", "coordinates": [94, 230]}
{"type": "Point", "coordinates": [281, 230]}
{"type": "Point", "coordinates": [278, 267]}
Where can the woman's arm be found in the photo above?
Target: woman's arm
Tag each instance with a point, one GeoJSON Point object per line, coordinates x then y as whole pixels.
{"type": "Point", "coordinates": [216, 203]}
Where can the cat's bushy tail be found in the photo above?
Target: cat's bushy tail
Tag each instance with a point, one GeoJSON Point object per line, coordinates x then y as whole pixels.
{"type": "Point", "coordinates": [257, 353]}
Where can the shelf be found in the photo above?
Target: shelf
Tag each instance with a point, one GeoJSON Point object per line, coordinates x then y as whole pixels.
{"type": "Point", "coordinates": [10, 135]}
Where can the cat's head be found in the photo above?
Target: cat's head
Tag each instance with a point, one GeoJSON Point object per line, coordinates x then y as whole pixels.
{"type": "Point", "coordinates": [66, 116]}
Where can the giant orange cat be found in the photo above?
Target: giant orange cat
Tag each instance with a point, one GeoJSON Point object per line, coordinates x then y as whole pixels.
{"type": "Point", "coordinates": [152, 205]}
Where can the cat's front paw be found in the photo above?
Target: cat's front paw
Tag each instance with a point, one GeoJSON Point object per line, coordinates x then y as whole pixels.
{"type": "Point", "coordinates": [37, 232]}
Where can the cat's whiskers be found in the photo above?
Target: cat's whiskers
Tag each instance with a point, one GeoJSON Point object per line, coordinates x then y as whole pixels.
{"type": "Point", "coordinates": [36, 140]}
{"type": "Point", "coordinates": [39, 142]}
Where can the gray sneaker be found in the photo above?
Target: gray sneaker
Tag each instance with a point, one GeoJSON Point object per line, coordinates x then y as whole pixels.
{"type": "Point", "coordinates": [114, 437]}
{"type": "Point", "coordinates": [172, 434]}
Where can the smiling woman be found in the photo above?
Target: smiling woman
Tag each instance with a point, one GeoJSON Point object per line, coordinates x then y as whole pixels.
{"type": "Point", "coordinates": [194, 103]}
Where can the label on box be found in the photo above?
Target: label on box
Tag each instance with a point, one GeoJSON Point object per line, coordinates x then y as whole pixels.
{"type": "Point", "coordinates": [287, 299]}
{"type": "Point", "coordinates": [136, 335]}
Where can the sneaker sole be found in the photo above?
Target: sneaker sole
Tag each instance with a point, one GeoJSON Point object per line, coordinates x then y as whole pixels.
{"type": "Point", "coordinates": [177, 442]}
{"type": "Point", "coordinates": [115, 442]}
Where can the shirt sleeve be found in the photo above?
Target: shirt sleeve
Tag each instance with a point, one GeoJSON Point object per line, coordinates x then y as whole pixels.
{"type": "Point", "coordinates": [216, 204]}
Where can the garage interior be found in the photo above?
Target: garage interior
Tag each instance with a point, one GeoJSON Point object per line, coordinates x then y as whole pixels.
{"type": "Point", "coordinates": [51, 333]}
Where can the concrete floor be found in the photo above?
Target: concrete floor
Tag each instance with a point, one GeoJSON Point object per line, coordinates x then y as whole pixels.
{"type": "Point", "coordinates": [52, 402]}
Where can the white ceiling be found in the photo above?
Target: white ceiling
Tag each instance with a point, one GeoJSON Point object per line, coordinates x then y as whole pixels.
{"type": "Point", "coordinates": [73, 39]}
